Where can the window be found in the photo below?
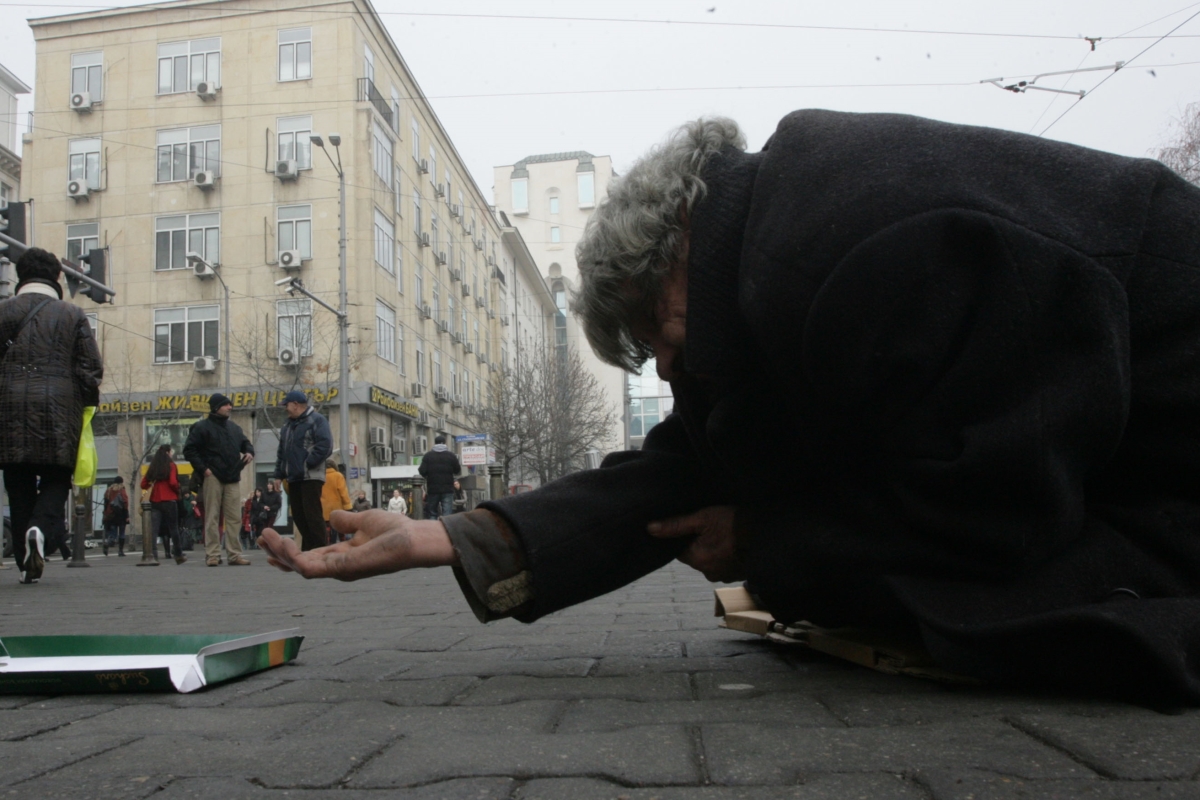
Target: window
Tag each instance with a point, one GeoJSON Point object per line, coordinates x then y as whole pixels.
{"type": "Point", "coordinates": [385, 332]}
{"type": "Point", "coordinates": [175, 237]}
{"type": "Point", "coordinates": [400, 349]}
{"type": "Point", "coordinates": [399, 193]}
{"type": "Point", "coordinates": [447, 188]}
{"type": "Point", "coordinates": [478, 349]}
{"type": "Point", "coordinates": [587, 188]}
{"type": "Point", "coordinates": [420, 365]}
{"type": "Point", "coordinates": [295, 229]}
{"type": "Point", "coordinates": [295, 54]}
{"type": "Point", "coordinates": [294, 144]}
{"type": "Point", "coordinates": [395, 111]}
{"type": "Point", "coordinates": [555, 235]}
{"type": "Point", "coordinates": [417, 213]}
{"type": "Point", "coordinates": [183, 65]}
{"type": "Point", "coordinates": [437, 302]}
{"type": "Point", "coordinates": [368, 64]}
{"type": "Point", "coordinates": [183, 152]}
{"type": "Point", "coordinates": [94, 323]}
{"type": "Point", "coordinates": [418, 283]}
{"type": "Point", "coordinates": [87, 70]}
{"type": "Point", "coordinates": [437, 369]}
{"type": "Point", "coordinates": [432, 164]}
{"type": "Point", "coordinates": [450, 311]}
{"type": "Point", "coordinates": [520, 196]}
{"type": "Point", "coordinates": [416, 137]}
{"type": "Point", "coordinates": [6, 191]}
{"type": "Point", "coordinates": [399, 269]}
{"type": "Point", "coordinates": [463, 322]}
{"type": "Point", "coordinates": [383, 154]}
{"type": "Point", "coordinates": [182, 334]}
{"type": "Point", "coordinates": [294, 320]}
{"type": "Point", "coordinates": [80, 239]}
{"type": "Point", "coordinates": [560, 320]}
{"type": "Point", "coordinates": [433, 231]}
{"type": "Point", "coordinates": [553, 205]}
{"type": "Point", "coordinates": [453, 377]}
{"type": "Point", "coordinates": [383, 241]}
{"type": "Point", "coordinates": [84, 156]}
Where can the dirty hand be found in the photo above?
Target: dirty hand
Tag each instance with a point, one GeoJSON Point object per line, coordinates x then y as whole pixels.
{"type": "Point", "coordinates": [713, 551]}
{"type": "Point", "coordinates": [382, 543]}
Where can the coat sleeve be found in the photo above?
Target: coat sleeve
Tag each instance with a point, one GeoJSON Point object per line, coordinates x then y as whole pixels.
{"type": "Point", "coordinates": [194, 446]}
{"type": "Point", "coordinates": [322, 442]}
{"type": "Point", "coordinates": [279, 471]}
{"type": "Point", "coordinates": [968, 375]}
{"type": "Point", "coordinates": [247, 446]}
{"type": "Point", "coordinates": [89, 367]}
{"type": "Point", "coordinates": [173, 481]}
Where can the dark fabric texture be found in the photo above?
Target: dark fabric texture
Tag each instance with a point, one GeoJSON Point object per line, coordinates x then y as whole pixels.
{"type": "Point", "coordinates": [439, 469]}
{"type": "Point", "coordinates": [217, 443]}
{"type": "Point", "coordinates": [304, 444]}
{"type": "Point", "coordinates": [980, 354]}
{"type": "Point", "coordinates": [164, 524]}
{"type": "Point", "coordinates": [37, 494]}
{"type": "Point", "coordinates": [51, 372]}
{"type": "Point", "coordinates": [304, 498]}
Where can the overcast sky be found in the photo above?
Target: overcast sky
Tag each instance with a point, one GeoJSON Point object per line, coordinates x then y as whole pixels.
{"type": "Point", "coordinates": [530, 76]}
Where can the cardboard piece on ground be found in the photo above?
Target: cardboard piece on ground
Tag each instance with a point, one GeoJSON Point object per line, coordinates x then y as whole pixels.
{"type": "Point", "coordinates": [102, 664]}
{"type": "Point", "coordinates": [884, 651]}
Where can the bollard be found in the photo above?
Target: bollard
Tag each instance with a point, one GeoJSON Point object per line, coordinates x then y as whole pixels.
{"type": "Point", "coordinates": [148, 559]}
{"type": "Point", "coordinates": [79, 540]}
{"type": "Point", "coordinates": [496, 480]}
{"type": "Point", "coordinates": [418, 503]}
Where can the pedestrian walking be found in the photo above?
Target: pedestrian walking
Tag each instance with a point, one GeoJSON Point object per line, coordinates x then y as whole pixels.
{"type": "Point", "coordinates": [218, 450]}
{"type": "Point", "coordinates": [396, 503]}
{"type": "Point", "coordinates": [246, 533]}
{"type": "Point", "coordinates": [161, 481]}
{"type": "Point", "coordinates": [439, 466]}
{"type": "Point", "coordinates": [304, 444]}
{"type": "Point", "coordinates": [50, 369]}
{"type": "Point", "coordinates": [334, 495]}
{"type": "Point", "coordinates": [115, 515]}
{"type": "Point", "coordinates": [460, 498]}
{"type": "Point", "coordinates": [361, 503]}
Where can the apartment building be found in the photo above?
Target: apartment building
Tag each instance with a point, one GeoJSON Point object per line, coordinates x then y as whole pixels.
{"type": "Point", "coordinates": [10, 162]}
{"type": "Point", "coordinates": [178, 138]}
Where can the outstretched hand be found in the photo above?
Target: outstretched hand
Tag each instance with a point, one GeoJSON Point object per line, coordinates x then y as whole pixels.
{"type": "Point", "coordinates": [382, 543]}
{"type": "Point", "coordinates": [713, 551]}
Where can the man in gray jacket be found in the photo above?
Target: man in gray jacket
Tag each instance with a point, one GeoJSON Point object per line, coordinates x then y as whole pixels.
{"type": "Point", "coordinates": [304, 443]}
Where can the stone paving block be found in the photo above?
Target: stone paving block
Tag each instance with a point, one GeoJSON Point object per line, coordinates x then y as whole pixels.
{"type": "Point", "coordinates": [57, 786]}
{"type": "Point", "coordinates": [238, 789]}
{"type": "Point", "coordinates": [823, 787]}
{"type": "Point", "coordinates": [434, 723]}
{"type": "Point", "coordinates": [30, 758]}
{"type": "Point", "coordinates": [744, 664]}
{"type": "Point", "coordinates": [640, 756]}
{"type": "Point", "coordinates": [170, 721]}
{"type": "Point", "coordinates": [976, 786]}
{"type": "Point", "coordinates": [428, 639]}
{"type": "Point", "coordinates": [490, 639]}
{"type": "Point", "coordinates": [1141, 745]}
{"type": "Point", "coordinates": [609, 715]}
{"type": "Point", "coordinates": [947, 704]}
{"type": "Point", "coordinates": [641, 649]}
{"type": "Point", "coordinates": [511, 688]}
{"type": "Point", "coordinates": [20, 724]}
{"type": "Point", "coordinates": [436, 691]}
{"type": "Point", "coordinates": [486, 665]}
{"type": "Point", "coordinates": [752, 754]}
{"type": "Point", "coordinates": [375, 665]}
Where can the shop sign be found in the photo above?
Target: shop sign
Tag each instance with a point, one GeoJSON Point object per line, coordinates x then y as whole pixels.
{"type": "Point", "coordinates": [391, 402]}
{"type": "Point", "coordinates": [474, 455]}
{"type": "Point", "coordinates": [199, 402]}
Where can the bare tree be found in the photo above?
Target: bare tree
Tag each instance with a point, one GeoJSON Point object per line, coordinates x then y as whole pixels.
{"type": "Point", "coordinates": [1182, 149]}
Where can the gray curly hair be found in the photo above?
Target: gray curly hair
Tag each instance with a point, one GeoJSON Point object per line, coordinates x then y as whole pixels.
{"type": "Point", "coordinates": [637, 234]}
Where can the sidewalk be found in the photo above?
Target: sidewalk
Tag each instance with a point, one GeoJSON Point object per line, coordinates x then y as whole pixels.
{"type": "Point", "coordinates": [399, 693]}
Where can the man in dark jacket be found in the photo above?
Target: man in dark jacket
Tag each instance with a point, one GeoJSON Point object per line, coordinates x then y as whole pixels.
{"type": "Point", "coordinates": [982, 353]}
{"type": "Point", "coordinates": [50, 369]}
{"type": "Point", "coordinates": [218, 450]}
{"type": "Point", "coordinates": [439, 467]}
{"type": "Point", "coordinates": [304, 444]}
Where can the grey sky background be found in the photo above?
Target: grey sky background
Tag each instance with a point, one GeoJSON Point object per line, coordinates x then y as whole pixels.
{"type": "Point", "coordinates": [533, 76]}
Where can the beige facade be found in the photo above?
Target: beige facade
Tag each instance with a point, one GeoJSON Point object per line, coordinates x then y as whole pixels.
{"type": "Point", "coordinates": [136, 107]}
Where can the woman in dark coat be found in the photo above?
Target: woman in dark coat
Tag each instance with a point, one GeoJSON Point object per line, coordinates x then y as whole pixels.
{"type": "Point", "coordinates": [162, 478]}
{"type": "Point", "coordinates": [116, 515]}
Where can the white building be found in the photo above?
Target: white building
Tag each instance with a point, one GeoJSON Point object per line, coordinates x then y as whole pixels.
{"type": "Point", "coordinates": [10, 162]}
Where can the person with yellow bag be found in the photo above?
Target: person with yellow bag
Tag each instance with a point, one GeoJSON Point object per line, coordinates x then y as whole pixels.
{"type": "Point", "coordinates": [50, 371]}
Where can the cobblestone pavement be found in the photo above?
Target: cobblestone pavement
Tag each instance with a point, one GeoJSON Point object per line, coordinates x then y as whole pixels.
{"type": "Point", "coordinates": [398, 692]}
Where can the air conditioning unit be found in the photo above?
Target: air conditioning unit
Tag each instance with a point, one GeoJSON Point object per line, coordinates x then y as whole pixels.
{"type": "Point", "coordinates": [466, 289]}
{"type": "Point", "coordinates": [441, 395]}
{"type": "Point", "coordinates": [478, 243]}
{"type": "Point", "coordinates": [420, 443]}
{"type": "Point", "coordinates": [77, 189]}
{"type": "Point", "coordinates": [199, 267]}
{"type": "Point", "coordinates": [385, 455]}
{"type": "Point", "coordinates": [81, 101]}
{"type": "Point", "coordinates": [378, 435]}
{"type": "Point", "coordinates": [205, 179]}
{"type": "Point", "coordinates": [443, 326]}
{"type": "Point", "coordinates": [455, 275]}
{"type": "Point", "coordinates": [288, 357]}
{"type": "Point", "coordinates": [491, 261]}
{"type": "Point", "coordinates": [504, 319]}
{"type": "Point", "coordinates": [491, 313]}
{"type": "Point", "coordinates": [290, 259]}
{"type": "Point", "coordinates": [457, 337]}
{"type": "Point", "coordinates": [456, 210]}
{"type": "Point", "coordinates": [440, 257]}
{"type": "Point", "coordinates": [422, 166]}
{"type": "Point", "coordinates": [286, 170]}
{"type": "Point", "coordinates": [441, 425]}
{"type": "Point", "coordinates": [439, 189]}
{"type": "Point", "coordinates": [417, 390]}
{"type": "Point", "coordinates": [468, 347]}
{"type": "Point", "coordinates": [205, 364]}
{"type": "Point", "coordinates": [426, 313]}
{"type": "Point", "coordinates": [399, 444]}
{"type": "Point", "coordinates": [423, 239]}
{"type": "Point", "coordinates": [423, 421]}
{"type": "Point", "coordinates": [456, 402]}
{"type": "Point", "coordinates": [207, 90]}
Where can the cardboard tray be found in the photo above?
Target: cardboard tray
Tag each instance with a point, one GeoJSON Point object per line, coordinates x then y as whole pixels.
{"type": "Point", "coordinates": [48, 665]}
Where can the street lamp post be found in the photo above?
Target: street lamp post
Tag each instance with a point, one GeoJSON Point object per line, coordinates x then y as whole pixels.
{"type": "Point", "coordinates": [194, 260]}
{"type": "Point", "coordinates": [343, 316]}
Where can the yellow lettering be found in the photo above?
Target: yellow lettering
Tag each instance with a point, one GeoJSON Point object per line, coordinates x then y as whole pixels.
{"type": "Point", "coordinates": [332, 393]}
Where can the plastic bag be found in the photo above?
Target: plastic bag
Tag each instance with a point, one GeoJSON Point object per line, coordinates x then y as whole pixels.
{"type": "Point", "coordinates": [85, 461]}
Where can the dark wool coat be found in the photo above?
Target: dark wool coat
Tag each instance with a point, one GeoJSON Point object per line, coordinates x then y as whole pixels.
{"type": "Point", "coordinates": [975, 356]}
{"type": "Point", "coordinates": [440, 468]}
{"type": "Point", "coordinates": [51, 372]}
{"type": "Point", "coordinates": [217, 443]}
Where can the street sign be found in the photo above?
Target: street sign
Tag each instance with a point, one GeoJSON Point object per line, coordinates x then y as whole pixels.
{"type": "Point", "coordinates": [474, 437]}
{"type": "Point", "coordinates": [353, 448]}
{"type": "Point", "coordinates": [474, 456]}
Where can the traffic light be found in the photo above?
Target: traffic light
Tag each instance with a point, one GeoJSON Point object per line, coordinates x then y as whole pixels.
{"type": "Point", "coordinates": [12, 225]}
{"type": "Point", "coordinates": [97, 269]}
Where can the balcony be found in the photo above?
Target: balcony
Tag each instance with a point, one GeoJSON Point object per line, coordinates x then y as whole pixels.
{"type": "Point", "coordinates": [367, 91]}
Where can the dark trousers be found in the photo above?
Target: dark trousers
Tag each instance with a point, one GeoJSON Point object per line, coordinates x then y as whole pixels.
{"type": "Point", "coordinates": [37, 495]}
{"type": "Point", "coordinates": [164, 522]}
{"type": "Point", "coordinates": [439, 505]}
{"type": "Point", "coordinates": [305, 499]}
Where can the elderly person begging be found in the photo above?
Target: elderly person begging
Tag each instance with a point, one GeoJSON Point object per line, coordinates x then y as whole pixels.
{"type": "Point", "coordinates": [981, 354]}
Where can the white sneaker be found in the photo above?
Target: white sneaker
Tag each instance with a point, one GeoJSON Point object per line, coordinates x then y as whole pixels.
{"type": "Point", "coordinates": [35, 557]}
